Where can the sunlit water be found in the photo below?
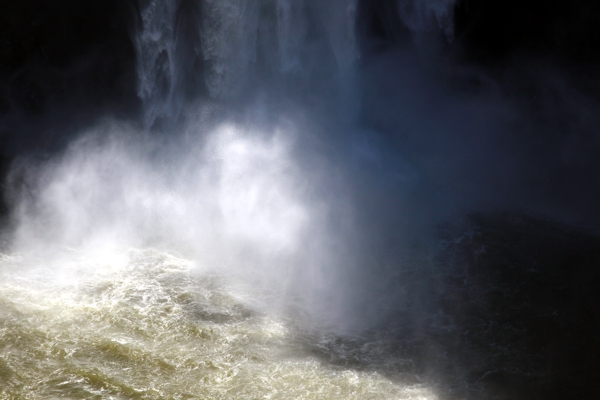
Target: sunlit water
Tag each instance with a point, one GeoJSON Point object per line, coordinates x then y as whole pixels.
{"type": "Point", "coordinates": [149, 325]}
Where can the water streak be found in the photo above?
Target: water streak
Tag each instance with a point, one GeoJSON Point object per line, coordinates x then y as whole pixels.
{"type": "Point", "coordinates": [157, 69]}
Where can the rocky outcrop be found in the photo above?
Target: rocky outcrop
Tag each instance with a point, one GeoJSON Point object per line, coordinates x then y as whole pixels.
{"type": "Point", "coordinates": [521, 295]}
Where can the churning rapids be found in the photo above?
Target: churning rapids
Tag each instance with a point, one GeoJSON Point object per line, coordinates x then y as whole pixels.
{"type": "Point", "coordinates": [148, 325]}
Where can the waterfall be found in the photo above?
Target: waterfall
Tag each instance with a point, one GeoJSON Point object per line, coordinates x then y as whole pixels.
{"type": "Point", "coordinates": [229, 39]}
{"type": "Point", "coordinates": [426, 15]}
{"type": "Point", "coordinates": [155, 45]}
{"type": "Point", "coordinates": [299, 48]}
{"type": "Point", "coordinates": [302, 47]}
{"type": "Point", "coordinates": [246, 41]}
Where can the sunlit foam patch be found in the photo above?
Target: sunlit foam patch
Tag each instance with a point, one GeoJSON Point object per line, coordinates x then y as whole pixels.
{"type": "Point", "coordinates": [71, 268]}
{"type": "Point", "coordinates": [150, 331]}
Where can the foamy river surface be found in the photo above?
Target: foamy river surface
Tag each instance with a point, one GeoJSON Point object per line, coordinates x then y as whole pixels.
{"type": "Point", "coordinates": [143, 324]}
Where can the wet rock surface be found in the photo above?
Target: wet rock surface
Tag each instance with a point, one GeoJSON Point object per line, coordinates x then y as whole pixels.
{"type": "Point", "coordinates": [520, 295]}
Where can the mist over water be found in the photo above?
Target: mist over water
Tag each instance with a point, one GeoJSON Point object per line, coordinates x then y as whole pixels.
{"type": "Point", "coordinates": [268, 223]}
{"type": "Point", "coordinates": [268, 190]}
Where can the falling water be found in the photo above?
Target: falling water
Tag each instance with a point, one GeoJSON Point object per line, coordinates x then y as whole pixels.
{"type": "Point", "coordinates": [156, 51]}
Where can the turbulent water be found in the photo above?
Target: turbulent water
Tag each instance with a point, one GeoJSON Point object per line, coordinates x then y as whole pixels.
{"type": "Point", "coordinates": [148, 325]}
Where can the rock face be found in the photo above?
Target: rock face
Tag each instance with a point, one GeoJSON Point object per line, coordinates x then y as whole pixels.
{"type": "Point", "coordinates": [489, 32]}
{"type": "Point", "coordinates": [492, 30]}
{"type": "Point", "coordinates": [61, 64]}
{"type": "Point", "coordinates": [52, 52]}
{"type": "Point", "coordinates": [521, 295]}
